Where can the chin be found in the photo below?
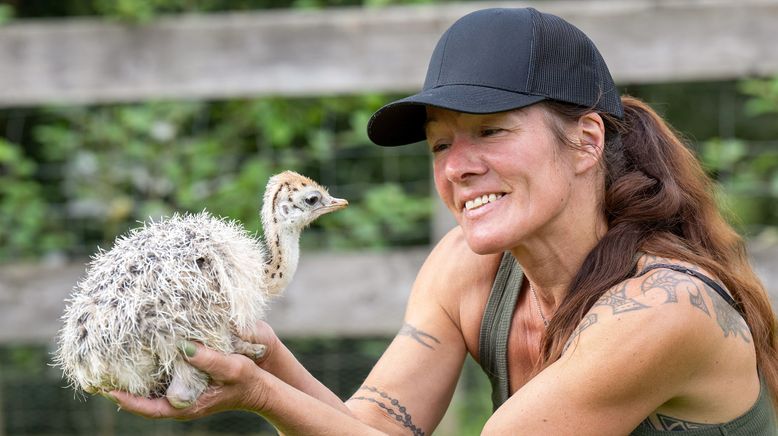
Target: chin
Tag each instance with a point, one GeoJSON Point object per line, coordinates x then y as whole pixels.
{"type": "Point", "coordinates": [486, 244]}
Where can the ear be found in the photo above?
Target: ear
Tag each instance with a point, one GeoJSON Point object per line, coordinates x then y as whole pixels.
{"type": "Point", "coordinates": [288, 211]}
{"type": "Point", "coordinates": [590, 131]}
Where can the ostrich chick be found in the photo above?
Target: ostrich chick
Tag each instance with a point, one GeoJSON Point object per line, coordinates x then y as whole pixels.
{"type": "Point", "coordinates": [188, 277]}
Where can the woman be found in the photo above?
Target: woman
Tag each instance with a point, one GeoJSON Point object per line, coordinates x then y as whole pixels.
{"type": "Point", "coordinates": [633, 310]}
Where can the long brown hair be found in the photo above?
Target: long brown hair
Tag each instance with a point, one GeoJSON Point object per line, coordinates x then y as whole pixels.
{"type": "Point", "coordinates": [658, 200]}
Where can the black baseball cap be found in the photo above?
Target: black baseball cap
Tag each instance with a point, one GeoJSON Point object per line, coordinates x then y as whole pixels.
{"type": "Point", "coordinates": [495, 60]}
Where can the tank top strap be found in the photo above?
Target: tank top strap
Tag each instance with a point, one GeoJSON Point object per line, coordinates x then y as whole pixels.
{"type": "Point", "coordinates": [703, 278]}
{"type": "Point", "coordinates": [495, 327]}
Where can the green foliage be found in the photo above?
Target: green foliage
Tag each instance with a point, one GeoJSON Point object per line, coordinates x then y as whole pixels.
{"type": "Point", "coordinates": [732, 126]}
{"type": "Point", "coordinates": [25, 225]}
{"type": "Point", "coordinates": [764, 96]}
{"type": "Point", "coordinates": [473, 400]}
{"type": "Point", "coordinates": [747, 171]}
{"type": "Point", "coordinates": [23, 359]}
{"type": "Point", "coordinates": [6, 13]}
{"type": "Point", "coordinates": [109, 167]}
{"type": "Point", "coordinates": [386, 213]}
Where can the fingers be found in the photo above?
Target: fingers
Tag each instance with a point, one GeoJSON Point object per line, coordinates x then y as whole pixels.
{"type": "Point", "coordinates": [263, 333]}
{"type": "Point", "coordinates": [148, 408]}
{"type": "Point", "coordinates": [223, 368]}
{"type": "Point", "coordinates": [229, 375]}
{"type": "Point", "coordinates": [259, 333]}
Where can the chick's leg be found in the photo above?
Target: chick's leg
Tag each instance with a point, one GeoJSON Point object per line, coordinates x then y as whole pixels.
{"type": "Point", "coordinates": [255, 352]}
{"type": "Point", "coordinates": [186, 385]}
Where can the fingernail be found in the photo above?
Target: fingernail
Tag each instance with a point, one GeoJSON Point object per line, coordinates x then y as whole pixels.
{"type": "Point", "coordinates": [187, 348]}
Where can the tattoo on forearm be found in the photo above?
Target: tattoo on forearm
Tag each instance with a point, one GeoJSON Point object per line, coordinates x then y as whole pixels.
{"type": "Point", "coordinates": [417, 335]}
{"type": "Point", "coordinates": [668, 423]}
{"type": "Point", "coordinates": [585, 323]}
{"type": "Point", "coordinates": [394, 409]}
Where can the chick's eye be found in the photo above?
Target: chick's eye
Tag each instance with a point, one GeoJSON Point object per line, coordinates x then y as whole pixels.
{"type": "Point", "coordinates": [312, 199]}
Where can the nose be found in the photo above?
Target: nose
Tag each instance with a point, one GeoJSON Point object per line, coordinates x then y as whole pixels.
{"type": "Point", "coordinates": [462, 161]}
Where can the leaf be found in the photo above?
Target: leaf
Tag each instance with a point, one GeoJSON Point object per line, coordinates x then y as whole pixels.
{"type": "Point", "coordinates": [6, 14]}
{"type": "Point", "coordinates": [722, 154]}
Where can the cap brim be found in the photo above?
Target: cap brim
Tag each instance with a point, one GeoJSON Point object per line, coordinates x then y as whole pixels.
{"type": "Point", "coordinates": [402, 122]}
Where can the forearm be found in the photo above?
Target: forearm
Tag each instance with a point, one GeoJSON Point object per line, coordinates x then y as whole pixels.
{"type": "Point", "coordinates": [294, 412]}
{"type": "Point", "coordinates": [283, 365]}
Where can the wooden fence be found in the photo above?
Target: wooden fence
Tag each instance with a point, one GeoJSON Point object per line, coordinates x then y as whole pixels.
{"type": "Point", "coordinates": [353, 50]}
{"type": "Point", "coordinates": [346, 50]}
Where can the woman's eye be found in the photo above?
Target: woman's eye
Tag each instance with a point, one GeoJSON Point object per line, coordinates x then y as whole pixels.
{"type": "Point", "coordinates": [438, 147]}
{"type": "Point", "coordinates": [490, 131]}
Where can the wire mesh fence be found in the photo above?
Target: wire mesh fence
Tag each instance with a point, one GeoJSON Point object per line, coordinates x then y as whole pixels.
{"type": "Point", "coordinates": [34, 400]}
{"type": "Point", "coordinates": [76, 177]}
{"type": "Point", "coordinates": [73, 178]}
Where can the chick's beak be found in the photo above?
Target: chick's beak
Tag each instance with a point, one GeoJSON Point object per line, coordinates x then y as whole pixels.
{"type": "Point", "coordinates": [332, 204]}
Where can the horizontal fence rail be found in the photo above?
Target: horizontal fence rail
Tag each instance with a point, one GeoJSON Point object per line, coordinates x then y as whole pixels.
{"type": "Point", "coordinates": [355, 50]}
{"type": "Point", "coordinates": [346, 294]}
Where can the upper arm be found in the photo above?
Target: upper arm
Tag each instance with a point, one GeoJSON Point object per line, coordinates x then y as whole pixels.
{"type": "Point", "coordinates": [410, 388]}
{"type": "Point", "coordinates": [636, 349]}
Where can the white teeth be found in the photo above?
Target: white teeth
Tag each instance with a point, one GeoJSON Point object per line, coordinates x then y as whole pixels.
{"type": "Point", "coordinates": [480, 201]}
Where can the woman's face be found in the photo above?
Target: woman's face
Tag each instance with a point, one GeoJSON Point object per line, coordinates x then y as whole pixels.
{"type": "Point", "coordinates": [504, 176]}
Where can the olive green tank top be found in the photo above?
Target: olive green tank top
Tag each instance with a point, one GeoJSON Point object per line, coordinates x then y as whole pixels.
{"type": "Point", "coordinates": [493, 349]}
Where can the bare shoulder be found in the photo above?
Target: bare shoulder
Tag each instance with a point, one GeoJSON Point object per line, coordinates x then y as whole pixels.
{"type": "Point", "coordinates": [453, 252]}
{"type": "Point", "coordinates": [674, 322]}
{"type": "Point", "coordinates": [458, 281]}
{"type": "Point", "coordinates": [452, 268]}
{"type": "Point", "coordinates": [666, 301]}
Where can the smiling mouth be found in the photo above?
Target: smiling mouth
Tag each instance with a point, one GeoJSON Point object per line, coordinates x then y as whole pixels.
{"type": "Point", "coordinates": [482, 200]}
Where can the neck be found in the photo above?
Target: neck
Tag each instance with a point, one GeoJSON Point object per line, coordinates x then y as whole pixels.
{"type": "Point", "coordinates": [283, 252]}
{"type": "Point", "coordinates": [551, 261]}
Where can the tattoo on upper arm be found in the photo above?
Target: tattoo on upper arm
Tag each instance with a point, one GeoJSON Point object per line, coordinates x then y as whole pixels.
{"type": "Point", "coordinates": [618, 301]}
{"type": "Point", "coordinates": [666, 281]}
{"type": "Point", "coordinates": [417, 335]}
{"type": "Point", "coordinates": [729, 320]}
{"type": "Point", "coordinates": [391, 407]}
{"type": "Point", "coordinates": [670, 282]}
{"type": "Point", "coordinates": [696, 299]}
{"type": "Point", "coordinates": [585, 323]}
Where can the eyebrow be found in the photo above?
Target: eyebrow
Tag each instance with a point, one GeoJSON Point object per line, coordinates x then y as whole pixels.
{"type": "Point", "coordinates": [487, 118]}
{"type": "Point", "coordinates": [427, 123]}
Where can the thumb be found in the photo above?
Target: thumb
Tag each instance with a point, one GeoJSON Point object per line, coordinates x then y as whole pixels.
{"type": "Point", "coordinates": [218, 365]}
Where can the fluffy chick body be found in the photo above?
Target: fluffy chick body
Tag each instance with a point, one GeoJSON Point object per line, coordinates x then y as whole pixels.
{"type": "Point", "coordinates": [189, 277]}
